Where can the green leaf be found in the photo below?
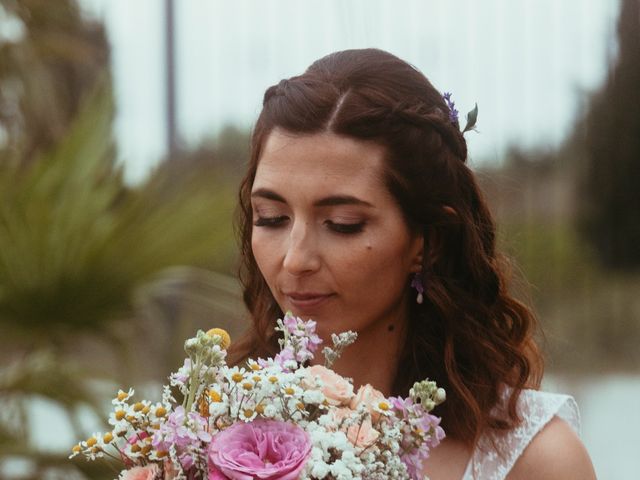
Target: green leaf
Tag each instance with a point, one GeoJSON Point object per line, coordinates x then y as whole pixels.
{"type": "Point", "coordinates": [472, 117]}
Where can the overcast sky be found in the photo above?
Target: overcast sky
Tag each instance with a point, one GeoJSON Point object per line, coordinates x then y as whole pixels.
{"type": "Point", "coordinates": [528, 63]}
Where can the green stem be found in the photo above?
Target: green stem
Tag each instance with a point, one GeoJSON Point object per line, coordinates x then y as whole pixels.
{"type": "Point", "coordinates": [193, 384]}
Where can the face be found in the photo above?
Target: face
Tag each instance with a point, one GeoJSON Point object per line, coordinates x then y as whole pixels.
{"type": "Point", "coordinates": [329, 239]}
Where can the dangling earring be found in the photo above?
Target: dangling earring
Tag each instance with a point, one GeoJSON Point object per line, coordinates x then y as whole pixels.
{"type": "Point", "coordinates": [416, 283]}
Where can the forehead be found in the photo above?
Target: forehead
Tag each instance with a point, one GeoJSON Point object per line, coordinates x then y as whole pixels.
{"type": "Point", "coordinates": [320, 163]}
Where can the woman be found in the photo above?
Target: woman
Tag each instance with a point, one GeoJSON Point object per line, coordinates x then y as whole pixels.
{"type": "Point", "coordinates": [358, 211]}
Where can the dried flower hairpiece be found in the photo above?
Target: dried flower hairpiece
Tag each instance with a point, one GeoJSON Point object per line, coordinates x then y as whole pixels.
{"type": "Point", "coordinates": [472, 116]}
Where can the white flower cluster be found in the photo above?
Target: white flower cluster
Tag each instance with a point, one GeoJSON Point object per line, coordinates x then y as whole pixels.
{"type": "Point", "coordinates": [133, 427]}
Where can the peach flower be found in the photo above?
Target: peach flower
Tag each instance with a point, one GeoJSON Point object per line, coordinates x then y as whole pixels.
{"type": "Point", "coordinates": [336, 389]}
{"type": "Point", "coordinates": [362, 435]}
{"type": "Point", "coordinates": [149, 472]}
{"type": "Point", "coordinates": [369, 397]}
{"type": "Point", "coordinates": [359, 434]}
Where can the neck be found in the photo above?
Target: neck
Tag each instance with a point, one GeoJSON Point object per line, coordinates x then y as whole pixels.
{"type": "Point", "coordinates": [373, 358]}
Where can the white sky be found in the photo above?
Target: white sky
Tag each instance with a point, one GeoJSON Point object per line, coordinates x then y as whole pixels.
{"type": "Point", "coordinates": [528, 63]}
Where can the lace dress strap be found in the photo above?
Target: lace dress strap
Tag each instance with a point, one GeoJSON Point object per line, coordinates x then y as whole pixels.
{"type": "Point", "coordinates": [536, 410]}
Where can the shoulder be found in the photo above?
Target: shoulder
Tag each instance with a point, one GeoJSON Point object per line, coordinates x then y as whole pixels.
{"type": "Point", "coordinates": [555, 452]}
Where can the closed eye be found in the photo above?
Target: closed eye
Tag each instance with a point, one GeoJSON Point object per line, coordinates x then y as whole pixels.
{"type": "Point", "coordinates": [346, 228]}
{"type": "Point", "coordinates": [270, 221]}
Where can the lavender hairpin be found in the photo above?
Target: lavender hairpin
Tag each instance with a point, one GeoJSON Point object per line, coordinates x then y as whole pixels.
{"type": "Point", "coordinates": [472, 116]}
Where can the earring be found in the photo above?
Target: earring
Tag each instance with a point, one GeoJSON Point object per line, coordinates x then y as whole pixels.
{"type": "Point", "coordinates": [416, 283]}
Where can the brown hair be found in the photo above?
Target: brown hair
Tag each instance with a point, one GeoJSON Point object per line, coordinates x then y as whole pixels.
{"type": "Point", "coordinates": [469, 334]}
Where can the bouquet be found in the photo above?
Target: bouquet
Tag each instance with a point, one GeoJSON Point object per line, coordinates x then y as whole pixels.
{"type": "Point", "coordinates": [273, 418]}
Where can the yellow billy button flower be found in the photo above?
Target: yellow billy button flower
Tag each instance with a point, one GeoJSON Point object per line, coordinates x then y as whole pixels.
{"type": "Point", "coordinates": [214, 396]}
{"type": "Point", "coordinates": [107, 437]}
{"type": "Point", "coordinates": [226, 339]}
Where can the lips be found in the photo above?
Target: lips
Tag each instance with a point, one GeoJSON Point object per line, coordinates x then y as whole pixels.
{"type": "Point", "coordinates": [303, 301]}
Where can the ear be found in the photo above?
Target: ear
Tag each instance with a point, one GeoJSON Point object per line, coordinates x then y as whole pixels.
{"type": "Point", "coordinates": [433, 246]}
{"type": "Point", "coordinates": [417, 253]}
{"type": "Point", "coordinates": [429, 243]}
{"type": "Point", "coordinates": [450, 210]}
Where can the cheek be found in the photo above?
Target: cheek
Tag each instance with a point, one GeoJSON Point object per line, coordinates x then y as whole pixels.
{"type": "Point", "coordinates": [377, 268]}
{"type": "Point", "coordinates": [264, 252]}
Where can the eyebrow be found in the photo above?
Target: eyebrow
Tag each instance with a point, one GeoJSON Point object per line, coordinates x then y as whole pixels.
{"type": "Point", "coordinates": [330, 201]}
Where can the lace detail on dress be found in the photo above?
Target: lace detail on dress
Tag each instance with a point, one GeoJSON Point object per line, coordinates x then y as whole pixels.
{"type": "Point", "coordinates": [536, 410]}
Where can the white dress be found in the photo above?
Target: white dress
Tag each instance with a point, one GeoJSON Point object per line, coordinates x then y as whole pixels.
{"type": "Point", "coordinates": [536, 410]}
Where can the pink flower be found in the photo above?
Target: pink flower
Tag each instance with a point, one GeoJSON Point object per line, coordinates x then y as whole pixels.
{"type": "Point", "coordinates": [262, 449]}
{"type": "Point", "coordinates": [370, 398]}
{"type": "Point", "coordinates": [149, 472]}
{"type": "Point", "coordinates": [336, 389]}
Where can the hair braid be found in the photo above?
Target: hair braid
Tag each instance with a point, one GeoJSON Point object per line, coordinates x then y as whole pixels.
{"type": "Point", "coordinates": [420, 115]}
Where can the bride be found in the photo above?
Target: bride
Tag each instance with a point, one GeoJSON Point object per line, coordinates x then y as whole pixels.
{"type": "Point", "coordinates": [359, 211]}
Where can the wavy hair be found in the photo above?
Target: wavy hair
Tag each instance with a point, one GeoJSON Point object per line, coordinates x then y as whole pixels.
{"type": "Point", "coordinates": [469, 334]}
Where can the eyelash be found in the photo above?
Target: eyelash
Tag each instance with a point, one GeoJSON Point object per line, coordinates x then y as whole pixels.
{"type": "Point", "coordinates": [342, 228]}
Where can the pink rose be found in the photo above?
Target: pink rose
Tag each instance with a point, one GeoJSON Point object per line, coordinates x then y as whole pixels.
{"type": "Point", "coordinates": [262, 449]}
{"type": "Point", "coordinates": [148, 472]}
{"type": "Point", "coordinates": [369, 397]}
{"type": "Point", "coordinates": [336, 389]}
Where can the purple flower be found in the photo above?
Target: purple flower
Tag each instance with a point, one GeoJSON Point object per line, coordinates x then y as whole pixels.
{"type": "Point", "coordinates": [432, 423]}
{"type": "Point", "coordinates": [453, 112]}
{"type": "Point", "coordinates": [291, 323]}
{"type": "Point", "coordinates": [416, 282]}
{"type": "Point", "coordinates": [416, 452]}
{"type": "Point", "coordinates": [310, 332]}
{"type": "Point", "coordinates": [285, 356]}
{"type": "Point", "coordinates": [402, 405]}
{"type": "Point", "coordinates": [263, 449]}
{"type": "Point", "coordinates": [182, 375]}
{"type": "Point", "coordinates": [182, 431]}
{"type": "Point", "coordinates": [300, 342]}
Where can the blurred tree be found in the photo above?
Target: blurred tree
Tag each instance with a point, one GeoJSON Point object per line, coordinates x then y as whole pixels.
{"type": "Point", "coordinates": [611, 214]}
{"type": "Point", "coordinates": [82, 254]}
{"type": "Point", "coordinates": [75, 242]}
{"type": "Point", "coordinates": [225, 153]}
{"type": "Point", "coordinates": [50, 58]}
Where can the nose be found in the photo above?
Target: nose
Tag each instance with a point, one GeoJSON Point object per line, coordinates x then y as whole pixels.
{"type": "Point", "coordinates": [302, 256]}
